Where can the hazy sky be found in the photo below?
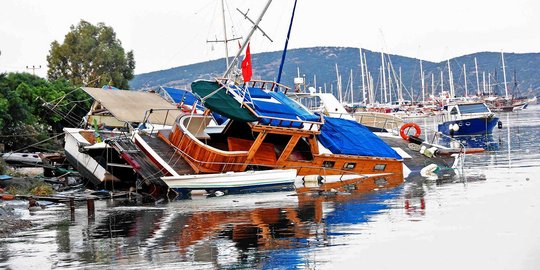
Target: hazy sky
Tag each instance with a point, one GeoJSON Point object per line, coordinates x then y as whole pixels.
{"type": "Point", "coordinates": [167, 33]}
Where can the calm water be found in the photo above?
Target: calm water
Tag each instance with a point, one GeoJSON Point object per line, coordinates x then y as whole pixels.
{"type": "Point", "coordinates": [487, 218]}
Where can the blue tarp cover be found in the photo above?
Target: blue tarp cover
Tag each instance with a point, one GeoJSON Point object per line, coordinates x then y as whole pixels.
{"type": "Point", "coordinates": [271, 109]}
{"type": "Point", "coordinates": [298, 110]}
{"type": "Point", "coordinates": [343, 136]}
{"type": "Point", "coordinates": [189, 99]}
{"type": "Point", "coordinates": [178, 94]}
{"type": "Point", "coordinates": [256, 92]}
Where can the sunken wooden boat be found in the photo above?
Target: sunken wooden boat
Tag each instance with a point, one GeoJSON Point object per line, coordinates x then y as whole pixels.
{"type": "Point", "coordinates": [267, 131]}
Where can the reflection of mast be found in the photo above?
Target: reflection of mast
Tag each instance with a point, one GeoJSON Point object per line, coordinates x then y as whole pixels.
{"type": "Point", "coordinates": [508, 138]}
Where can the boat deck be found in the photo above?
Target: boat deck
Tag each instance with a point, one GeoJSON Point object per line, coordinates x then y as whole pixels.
{"type": "Point", "coordinates": [149, 172]}
{"type": "Point", "coordinates": [168, 154]}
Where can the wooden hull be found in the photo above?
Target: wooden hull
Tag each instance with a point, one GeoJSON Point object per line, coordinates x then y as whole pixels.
{"type": "Point", "coordinates": [204, 158]}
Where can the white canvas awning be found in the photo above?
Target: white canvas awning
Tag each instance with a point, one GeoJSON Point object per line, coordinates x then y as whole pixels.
{"type": "Point", "coordinates": [130, 106]}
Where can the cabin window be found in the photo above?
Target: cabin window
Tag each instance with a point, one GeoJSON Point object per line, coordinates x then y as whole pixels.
{"type": "Point", "coordinates": [328, 164]}
{"type": "Point", "coordinates": [349, 166]}
{"type": "Point", "coordinates": [381, 182]}
{"type": "Point", "coordinates": [379, 167]}
{"type": "Point", "coordinates": [453, 111]}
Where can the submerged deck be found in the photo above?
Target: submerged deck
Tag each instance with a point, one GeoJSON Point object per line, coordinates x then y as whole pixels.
{"type": "Point", "coordinates": [168, 154]}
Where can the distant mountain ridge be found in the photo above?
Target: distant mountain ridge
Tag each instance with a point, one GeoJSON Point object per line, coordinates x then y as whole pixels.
{"type": "Point", "coordinates": [318, 66]}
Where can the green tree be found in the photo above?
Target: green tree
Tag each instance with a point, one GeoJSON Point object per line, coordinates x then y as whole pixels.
{"type": "Point", "coordinates": [33, 109]}
{"type": "Point", "coordinates": [92, 56]}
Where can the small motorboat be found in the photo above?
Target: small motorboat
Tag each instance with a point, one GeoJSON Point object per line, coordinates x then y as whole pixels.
{"type": "Point", "coordinates": [467, 119]}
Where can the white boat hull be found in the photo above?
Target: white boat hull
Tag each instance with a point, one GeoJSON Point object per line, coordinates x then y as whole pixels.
{"type": "Point", "coordinates": [236, 182]}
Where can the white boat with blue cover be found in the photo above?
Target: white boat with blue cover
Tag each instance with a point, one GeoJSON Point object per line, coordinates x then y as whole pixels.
{"type": "Point", "coordinates": [467, 119]}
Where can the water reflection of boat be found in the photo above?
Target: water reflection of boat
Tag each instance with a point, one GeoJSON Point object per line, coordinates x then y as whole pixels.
{"type": "Point", "coordinates": [251, 226]}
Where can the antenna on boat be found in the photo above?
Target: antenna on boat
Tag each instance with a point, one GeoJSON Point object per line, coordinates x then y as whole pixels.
{"type": "Point", "coordinates": [248, 38]}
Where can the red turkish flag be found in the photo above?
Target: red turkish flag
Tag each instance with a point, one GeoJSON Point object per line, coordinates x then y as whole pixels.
{"type": "Point", "coordinates": [246, 66]}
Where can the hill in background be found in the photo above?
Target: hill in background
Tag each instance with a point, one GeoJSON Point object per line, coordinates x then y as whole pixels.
{"type": "Point", "coordinates": [318, 66]}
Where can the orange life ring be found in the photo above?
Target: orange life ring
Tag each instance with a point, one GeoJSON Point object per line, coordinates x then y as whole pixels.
{"type": "Point", "coordinates": [406, 127]}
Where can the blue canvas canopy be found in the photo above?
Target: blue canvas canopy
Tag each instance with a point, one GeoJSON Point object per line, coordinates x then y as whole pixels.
{"type": "Point", "coordinates": [298, 110]}
{"type": "Point", "coordinates": [278, 105]}
{"type": "Point", "coordinates": [343, 136]}
{"type": "Point", "coordinates": [178, 94]}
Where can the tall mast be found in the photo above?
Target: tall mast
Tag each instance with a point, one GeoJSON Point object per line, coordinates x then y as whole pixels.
{"type": "Point", "coordinates": [477, 79]}
{"type": "Point", "coordinates": [489, 84]}
{"type": "Point", "coordinates": [286, 44]}
{"type": "Point", "coordinates": [450, 79]}
{"type": "Point", "coordinates": [442, 82]}
{"type": "Point", "coordinates": [504, 77]}
{"type": "Point", "coordinates": [363, 77]}
{"type": "Point", "coordinates": [248, 38]}
{"type": "Point", "coordinates": [369, 81]}
{"type": "Point", "coordinates": [422, 79]}
{"type": "Point", "coordinates": [383, 78]}
{"type": "Point", "coordinates": [371, 89]}
{"type": "Point", "coordinates": [433, 84]}
{"type": "Point", "coordinates": [400, 89]}
{"type": "Point", "coordinates": [352, 88]}
{"type": "Point", "coordinates": [225, 33]}
{"type": "Point", "coordinates": [465, 79]}
{"type": "Point", "coordinates": [484, 81]}
{"type": "Point", "coordinates": [339, 85]}
{"type": "Point", "coordinates": [389, 83]}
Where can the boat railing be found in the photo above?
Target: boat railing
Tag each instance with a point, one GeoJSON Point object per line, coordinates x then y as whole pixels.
{"type": "Point", "coordinates": [263, 84]}
{"type": "Point", "coordinates": [323, 171]}
{"type": "Point", "coordinates": [146, 118]}
{"type": "Point", "coordinates": [265, 122]}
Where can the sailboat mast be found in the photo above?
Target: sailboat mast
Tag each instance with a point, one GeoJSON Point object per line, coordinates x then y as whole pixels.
{"type": "Point", "coordinates": [286, 45]}
{"type": "Point", "coordinates": [352, 88]}
{"type": "Point", "coordinates": [465, 79]}
{"type": "Point", "coordinates": [339, 85]}
{"type": "Point", "coordinates": [400, 89]}
{"type": "Point", "coordinates": [433, 84]}
{"type": "Point", "coordinates": [477, 79]}
{"type": "Point", "coordinates": [450, 79]}
{"type": "Point", "coordinates": [226, 40]}
{"type": "Point", "coordinates": [504, 77]}
{"type": "Point", "coordinates": [484, 81]}
{"type": "Point", "coordinates": [422, 79]}
{"type": "Point", "coordinates": [389, 83]}
{"type": "Point", "coordinates": [363, 77]}
{"type": "Point", "coordinates": [369, 81]}
{"type": "Point", "coordinates": [383, 78]}
{"type": "Point", "coordinates": [442, 82]}
{"type": "Point", "coordinates": [248, 38]}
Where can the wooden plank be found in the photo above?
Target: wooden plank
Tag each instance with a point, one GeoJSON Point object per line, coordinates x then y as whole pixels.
{"type": "Point", "coordinates": [288, 149]}
{"type": "Point", "coordinates": [265, 154]}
